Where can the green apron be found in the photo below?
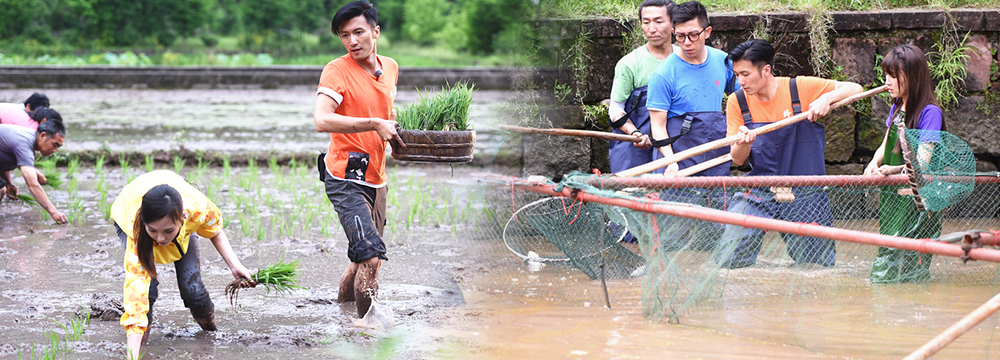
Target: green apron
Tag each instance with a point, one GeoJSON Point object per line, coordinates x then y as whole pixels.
{"type": "Point", "coordinates": [898, 216]}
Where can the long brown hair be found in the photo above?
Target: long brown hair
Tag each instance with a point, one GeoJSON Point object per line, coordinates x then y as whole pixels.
{"type": "Point", "coordinates": [159, 202]}
{"type": "Point", "coordinates": [908, 62]}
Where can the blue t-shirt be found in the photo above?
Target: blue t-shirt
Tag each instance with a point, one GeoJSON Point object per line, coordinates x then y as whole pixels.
{"type": "Point", "coordinates": [678, 87]}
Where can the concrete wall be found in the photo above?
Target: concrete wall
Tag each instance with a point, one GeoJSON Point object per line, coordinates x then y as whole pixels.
{"type": "Point", "coordinates": [855, 40]}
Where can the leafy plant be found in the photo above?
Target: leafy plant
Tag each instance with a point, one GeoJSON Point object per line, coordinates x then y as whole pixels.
{"type": "Point", "coordinates": [447, 110]}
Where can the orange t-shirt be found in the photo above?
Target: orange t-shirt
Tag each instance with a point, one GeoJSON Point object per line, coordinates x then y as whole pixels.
{"type": "Point", "coordinates": [780, 107]}
{"type": "Point", "coordinates": [359, 157]}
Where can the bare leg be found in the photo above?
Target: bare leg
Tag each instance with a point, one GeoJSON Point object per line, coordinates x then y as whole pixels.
{"type": "Point", "coordinates": [366, 284]}
{"type": "Point", "coordinates": [346, 292]}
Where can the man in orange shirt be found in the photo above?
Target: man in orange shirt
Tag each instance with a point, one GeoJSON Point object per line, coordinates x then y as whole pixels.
{"type": "Point", "coordinates": [354, 104]}
{"type": "Point", "coordinates": [793, 150]}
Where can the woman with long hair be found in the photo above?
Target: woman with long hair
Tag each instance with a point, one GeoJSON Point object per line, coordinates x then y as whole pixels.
{"type": "Point", "coordinates": [915, 107]}
{"type": "Point", "coordinates": [157, 216]}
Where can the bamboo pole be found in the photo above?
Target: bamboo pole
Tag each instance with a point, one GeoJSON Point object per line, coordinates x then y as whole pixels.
{"type": "Point", "coordinates": [571, 132]}
{"type": "Point", "coordinates": [709, 146]}
{"type": "Point", "coordinates": [704, 165]}
{"type": "Point", "coordinates": [958, 329]}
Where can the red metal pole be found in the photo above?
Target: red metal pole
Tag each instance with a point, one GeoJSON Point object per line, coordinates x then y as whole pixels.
{"type": "Point", "coordinates": [693, 212]}
{"type": "Point", "coordinates": [760, 181]}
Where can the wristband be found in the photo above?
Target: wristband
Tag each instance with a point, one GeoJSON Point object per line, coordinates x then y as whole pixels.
{"type": "Point", "coordinates": [635, 131]}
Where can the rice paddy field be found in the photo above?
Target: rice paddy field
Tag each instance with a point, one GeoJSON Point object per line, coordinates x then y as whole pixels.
{"type": "Point", "coordinates": [455, 290]}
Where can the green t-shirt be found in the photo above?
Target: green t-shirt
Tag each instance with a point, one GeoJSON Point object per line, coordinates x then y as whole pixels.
{"type": "Point", "coordinates": [632, 71]}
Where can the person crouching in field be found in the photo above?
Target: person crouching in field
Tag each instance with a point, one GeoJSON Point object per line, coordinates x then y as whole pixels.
{"type": "Point", "coordinates": [17, 151]}
{"type": "Point", "coordinates": [156, 217]}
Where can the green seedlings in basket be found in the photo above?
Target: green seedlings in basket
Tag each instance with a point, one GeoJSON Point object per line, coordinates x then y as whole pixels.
{"type": "Point", "coordinates": [280, 277]}
{"type": "Point", "coordinates": [447, 110]}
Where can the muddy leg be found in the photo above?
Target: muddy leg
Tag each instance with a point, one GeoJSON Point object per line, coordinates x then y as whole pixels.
{"type": "Point", "coordinates": [346, 292]}
{"type": "Point", "coordinates": [366, 284]}
{"type": "Point", "coordinates": [192, 288]}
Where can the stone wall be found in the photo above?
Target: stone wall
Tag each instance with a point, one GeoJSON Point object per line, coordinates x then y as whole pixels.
{"type": "Point", "coordinates": [856, 38]}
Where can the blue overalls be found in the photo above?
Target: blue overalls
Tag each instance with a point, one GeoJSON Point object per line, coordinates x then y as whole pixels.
{"type": "Point", "coordinates": [702, 127]}
{"type": "Point", "coordinates": [624, 155]}
{"type": "Point", "coordinates": [792, 150]}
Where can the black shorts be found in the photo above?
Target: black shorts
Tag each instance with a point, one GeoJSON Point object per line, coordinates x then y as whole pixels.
{"type": "Point", "coordinates": [362, 213]}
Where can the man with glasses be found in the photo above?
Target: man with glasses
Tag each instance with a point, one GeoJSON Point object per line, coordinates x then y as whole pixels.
{"type": "Point", "coordinates": [17, 151]}
{"type": "Point", "coordinates": [685, 110]}
{"type": "Point", "coordinates": [686, 91]}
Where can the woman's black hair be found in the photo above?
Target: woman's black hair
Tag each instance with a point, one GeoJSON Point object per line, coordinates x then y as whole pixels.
{"type": "Point", "coordinates": [352, 10]}
{"type": "Point", "coordinates": [159, 202]}
{"type": "Point", "coordinates": [910, 63]}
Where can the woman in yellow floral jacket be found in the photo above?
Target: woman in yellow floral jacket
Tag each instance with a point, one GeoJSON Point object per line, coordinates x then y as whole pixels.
{"type": "Point", "coordinates": [161, 213]}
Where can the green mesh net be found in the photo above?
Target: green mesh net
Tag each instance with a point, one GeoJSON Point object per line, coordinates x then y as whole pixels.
{"type": "Point", "coordinates": [943, 167]}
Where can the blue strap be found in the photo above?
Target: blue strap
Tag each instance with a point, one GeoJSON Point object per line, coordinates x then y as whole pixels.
{"type": "Point", "coordinates": [794, 90]}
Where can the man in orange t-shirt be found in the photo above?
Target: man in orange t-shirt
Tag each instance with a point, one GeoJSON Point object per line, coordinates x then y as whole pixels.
{"type": "Point", "coordinates": [793, 150]}
{"type": "Point", "coordinates": [354, 104]}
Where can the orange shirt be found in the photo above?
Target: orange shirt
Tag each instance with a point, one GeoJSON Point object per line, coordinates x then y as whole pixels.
{"type": "Point", "coordinates": [359, 157]}
{"type": "Point", "coordinates": [780, 107]}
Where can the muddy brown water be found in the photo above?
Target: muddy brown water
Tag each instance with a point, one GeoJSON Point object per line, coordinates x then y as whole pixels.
{"type": "Point", "coordinates": [455, 295]}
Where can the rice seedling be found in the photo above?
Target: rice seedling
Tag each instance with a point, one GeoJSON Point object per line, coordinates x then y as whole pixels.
{"type": "Point", "coordinates": [123, 160]}
{"type": "Point", "coordinates": [72, 166]}
{"type": "Point", "coordinates": [149, 162]}
{"type": "Point", "coordinates": [27, 199]}
{"type": "Point", "coordinates": [447, 110]}
{"type": "Point", "coordinates": [179, 163]}
{"type": "Point", "coordinates": [53, 178]}
{"type": "Point", "coordinates": [226, 166]}
{"type": "Point", "coordinates": [280, 277]}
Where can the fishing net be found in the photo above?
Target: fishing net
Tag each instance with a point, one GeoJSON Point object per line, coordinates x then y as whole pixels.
{"type": "Point", "coordinates": [700, 268]}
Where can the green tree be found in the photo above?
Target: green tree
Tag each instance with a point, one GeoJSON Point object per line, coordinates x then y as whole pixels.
{"type": "Point", "coordinates": [487, 19]}
{"type": "Point", "coordinates": [425, 18]}
{"type": "Point", "coordinates": [15, 14]}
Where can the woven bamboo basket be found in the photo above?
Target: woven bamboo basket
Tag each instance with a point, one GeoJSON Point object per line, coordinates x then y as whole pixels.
{"type": "Point", "coordinates": [450, 147]}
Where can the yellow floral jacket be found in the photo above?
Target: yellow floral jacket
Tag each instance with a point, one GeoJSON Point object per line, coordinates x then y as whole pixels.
{"type": "Point", "coordinates": [200, 215]}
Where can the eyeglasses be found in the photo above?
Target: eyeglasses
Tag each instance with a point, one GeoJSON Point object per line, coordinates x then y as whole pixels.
{"type": "Point", "coordinates": [692, 36]}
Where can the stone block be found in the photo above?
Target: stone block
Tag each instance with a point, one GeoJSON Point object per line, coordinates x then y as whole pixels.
{"type": "Point", "coordinates": [857, 57]}
{"type": "Point", "coordinates": [604, 27]}
{"type": "Point", "coordinates": [978, 64]}
{"type": "Point", "coordinates": [985, 166]}
{"type": "Point", "coordinates": [975, 126]}
{"type": "Point", "coordinates": [732, 22]}
{"type": "Point", "coordinates": [600, 58]}
{"type": "Point", "coordinates": [791, 54]}
{"type": "Point", "coordinates": [785, 23]}
{"type": "Point", "coordinates": [554, 156]}
{"type": "Point", "coordinates": [565, 117]}
{"type": "Point", "coordinates": [968, 20]}
{"type": "Point", "coordinates": [845, 169]}
{"type": "Point", "coordinates": [599, 158]}
{"type": "Point", "coordinates": [991, 20]}
{"type": "Point", "coordinates": [871, 129]}
{"type": "Point", "coordinates": [848, 21]}
{"type": "Point", "coordinates": [840, 126]}
{"type": "Point", "coordinates": [918, 19]}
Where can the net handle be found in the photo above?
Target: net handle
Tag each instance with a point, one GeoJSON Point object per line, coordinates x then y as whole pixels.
{"type": "Point", "coordinates": [910, 170]}
{"type": "Point", "coordinates": [726, 141]}
{"type": "Point", "coordinates": [955, 331]}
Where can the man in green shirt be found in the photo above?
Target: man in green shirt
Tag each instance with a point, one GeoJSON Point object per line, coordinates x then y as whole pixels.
{"type": "Point", "coordinates": [628, 92]}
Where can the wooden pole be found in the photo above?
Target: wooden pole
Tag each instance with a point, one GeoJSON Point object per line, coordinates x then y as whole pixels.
{"type": "Point", "coordinates": [958, 329]}
{"type": "Point", "coordinates": [570, 132]}
{"type": "Point", "coordinates": [705, 165]}
{"type": "Point", "coordinates": [709, 146]}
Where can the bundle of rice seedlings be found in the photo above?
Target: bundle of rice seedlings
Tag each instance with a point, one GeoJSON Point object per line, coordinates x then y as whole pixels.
{"type": "Point", "coordinates": [444, 111]}
{"type": "Point", "coordinates": [280, 277]}
{"type": "Point", "coordinates": [48, 168]}
{"type": "Point", "coordinates": [27, 199]}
